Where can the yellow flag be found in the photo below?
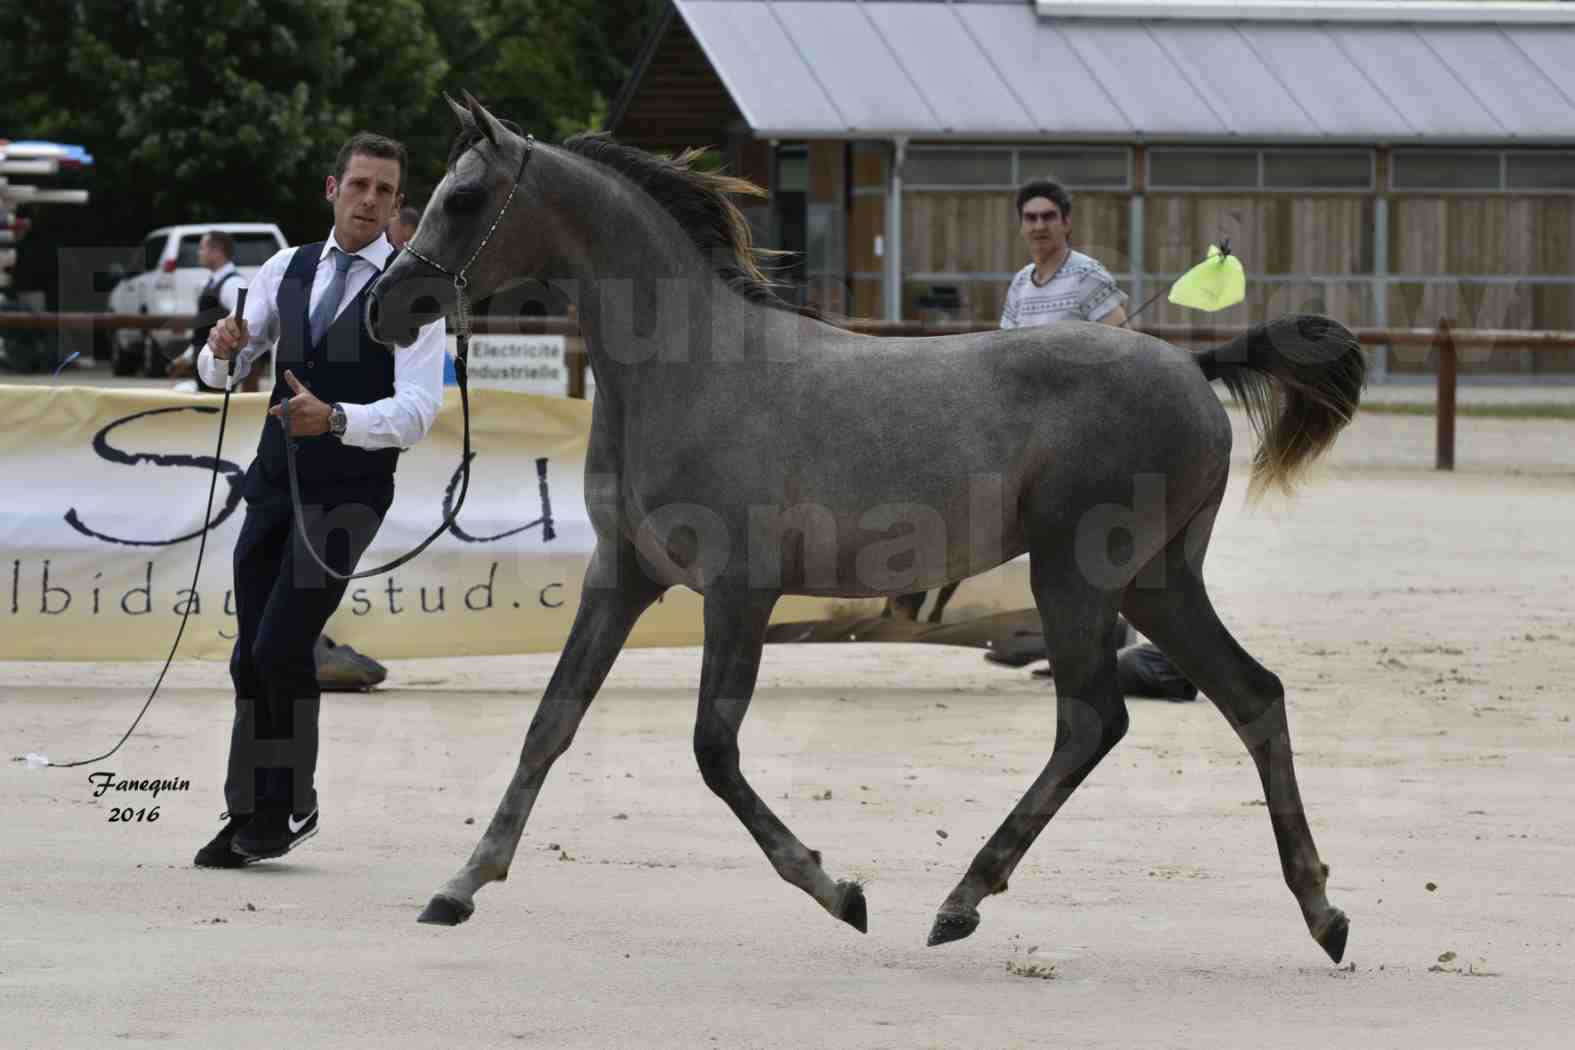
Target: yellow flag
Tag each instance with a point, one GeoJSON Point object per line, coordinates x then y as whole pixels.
{"type": "Point", "coordinates": [1213, 284]}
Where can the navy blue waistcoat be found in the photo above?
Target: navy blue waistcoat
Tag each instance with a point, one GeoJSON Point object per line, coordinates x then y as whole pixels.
{"type": "Point", "coordinates": [348, 366]}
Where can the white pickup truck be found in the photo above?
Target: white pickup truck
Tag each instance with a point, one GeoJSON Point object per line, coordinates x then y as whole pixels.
{"type": "Point", "coordinates": [165, 278]}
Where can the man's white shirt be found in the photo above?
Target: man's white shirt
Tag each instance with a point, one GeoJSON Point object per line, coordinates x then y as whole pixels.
{"type": "Point", "coordinates": [1081, 290]}
{"type": "Point", "coordinates": [393, 422]}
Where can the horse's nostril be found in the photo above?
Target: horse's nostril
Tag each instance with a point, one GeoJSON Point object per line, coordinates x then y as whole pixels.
{"type": "Point", "coordinates": [425, 309]}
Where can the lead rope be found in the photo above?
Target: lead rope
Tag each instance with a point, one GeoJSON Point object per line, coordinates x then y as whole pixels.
{"type": "Point", "coordinates": [461, 356]}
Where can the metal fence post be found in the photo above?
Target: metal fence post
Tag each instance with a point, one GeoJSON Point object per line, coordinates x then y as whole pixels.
{"type": "Point", "coordinates": [1444, 455]}
{"type": "Point", "coordinates": [574, 360]}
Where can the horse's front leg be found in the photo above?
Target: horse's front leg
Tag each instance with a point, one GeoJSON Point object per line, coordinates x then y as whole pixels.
{"type": "Point", "coordinates": [735, 633]}
{"type": "Point", "coordinates": [605, 617]}
{"type": "Point", "coordinates": [1091, 718]}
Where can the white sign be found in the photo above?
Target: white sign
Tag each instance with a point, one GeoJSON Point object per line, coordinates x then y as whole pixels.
{"type": "Point", "coordinates": [528, 364]}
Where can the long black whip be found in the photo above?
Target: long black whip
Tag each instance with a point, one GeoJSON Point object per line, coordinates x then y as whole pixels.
{"type": "Point", "coordinates": [202, 546]}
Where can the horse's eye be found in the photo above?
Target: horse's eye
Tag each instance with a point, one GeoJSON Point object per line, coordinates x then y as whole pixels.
{"type": "Point", "coordinates": [465, 198]}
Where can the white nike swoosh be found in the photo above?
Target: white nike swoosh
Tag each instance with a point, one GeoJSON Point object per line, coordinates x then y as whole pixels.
{"type": "Point", "coordinates": [298, 825]}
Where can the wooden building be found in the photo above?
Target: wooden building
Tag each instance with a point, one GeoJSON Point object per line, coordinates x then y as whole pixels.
{"type": "Point", "coordinates": [1383, 161]}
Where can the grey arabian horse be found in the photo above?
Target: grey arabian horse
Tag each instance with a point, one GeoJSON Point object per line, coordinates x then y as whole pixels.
{"type": "Point", "coordinates": [747, 449]}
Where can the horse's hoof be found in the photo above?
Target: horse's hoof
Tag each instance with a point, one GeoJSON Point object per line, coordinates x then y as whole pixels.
{"type": "Point", "coordinates": [953, 926]}
{"type": "Point", "coordinates": [1334, 935]}
{"type": "Point", "coordinates": [445, 911]}
{"type": "Point", "coordinates": [852, 908]}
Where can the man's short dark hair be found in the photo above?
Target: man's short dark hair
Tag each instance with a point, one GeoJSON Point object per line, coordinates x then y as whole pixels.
{"type": "Point", "coordinates": [222, 241]}
{"type": "Point", "coordinates": [373, 145]}
{"type": "Point", "coordinates": [1049, 189]}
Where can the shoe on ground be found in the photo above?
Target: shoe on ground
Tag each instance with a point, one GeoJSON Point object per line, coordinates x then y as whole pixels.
{"type": "Point", "coordinates": [1018, 649]}
{"type": "Point", "coordinates": [1025, 647]}
{"type": "Point", "coordinates": [220, 852]}
{"type": "Point", "coordinates": [1010, 659]}
{"type": "Point", "coordinates": [341, 668]}
{"type": "Point", "coordinates": [273, 833]}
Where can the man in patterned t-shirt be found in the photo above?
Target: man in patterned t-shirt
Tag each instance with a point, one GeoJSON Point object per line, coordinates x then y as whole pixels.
{"type": "Point", "coordinates": [1061, 284]}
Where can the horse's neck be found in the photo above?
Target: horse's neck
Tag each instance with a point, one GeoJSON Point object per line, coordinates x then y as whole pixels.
{"type": "Point", "coordinates": [650, 306]}
{"type": "Point", "coordinates": [660, 329]}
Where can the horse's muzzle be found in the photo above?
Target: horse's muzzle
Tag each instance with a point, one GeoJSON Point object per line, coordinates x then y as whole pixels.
{"type": "Point", "coordinates": [397, 312]}
{"type": "Point", "coordinates": [401, 302]}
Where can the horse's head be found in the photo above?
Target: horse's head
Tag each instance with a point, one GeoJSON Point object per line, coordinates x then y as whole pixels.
{"type": "Point", "coordinates": [479, 204]}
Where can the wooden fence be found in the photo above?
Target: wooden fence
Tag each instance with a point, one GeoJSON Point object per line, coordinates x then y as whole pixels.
{"type": "Point", "coordinates": [1446, 340]}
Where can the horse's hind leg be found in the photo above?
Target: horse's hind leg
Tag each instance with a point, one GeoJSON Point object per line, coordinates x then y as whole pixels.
{"type": "Point", "coordinates": [1180, 619]}
{"type": "Point", "coordinates": [1091, 717]}
{"type": "Point", "coordinates": [735, 633]}
{"type": "Point", "coordinates": [601, 625]}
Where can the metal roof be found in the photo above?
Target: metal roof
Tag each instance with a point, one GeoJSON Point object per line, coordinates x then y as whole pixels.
{"type": "Point", "coordinates": [1352, 70]}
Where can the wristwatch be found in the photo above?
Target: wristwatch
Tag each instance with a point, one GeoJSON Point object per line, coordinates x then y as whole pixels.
{"type": "Point", "coordinates": [337, 420]}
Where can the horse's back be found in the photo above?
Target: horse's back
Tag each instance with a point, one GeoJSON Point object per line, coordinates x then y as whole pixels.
{"type": "Point", "coordinates": [1002, 434]}
{"type": "Point", "coordinates": [1074, 388]}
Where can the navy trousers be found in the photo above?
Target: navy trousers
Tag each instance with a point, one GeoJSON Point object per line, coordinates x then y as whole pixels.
{"type": "Point", "coordinates": [283, 599]}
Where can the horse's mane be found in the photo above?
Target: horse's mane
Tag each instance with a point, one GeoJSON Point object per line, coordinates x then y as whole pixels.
{"type": "Point", "coordinates": [700, 202]}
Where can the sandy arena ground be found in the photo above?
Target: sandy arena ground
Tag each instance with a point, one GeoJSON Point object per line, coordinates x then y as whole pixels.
{"type": "Point", "coordinates": [1422, 623]}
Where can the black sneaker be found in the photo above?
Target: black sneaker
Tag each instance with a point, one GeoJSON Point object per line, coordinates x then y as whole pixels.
{"type": "Point", "coordinates": [220, 853]}
{"type": "Point", "coordinates": [273, 833]}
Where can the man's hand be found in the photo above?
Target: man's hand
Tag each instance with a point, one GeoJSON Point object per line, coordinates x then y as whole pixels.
{"type": "Point", "coordinates": [228, 336]}
{"type": "Point", "coordinates": [308, 416]}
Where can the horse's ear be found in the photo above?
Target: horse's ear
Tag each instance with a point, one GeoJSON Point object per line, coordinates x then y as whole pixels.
{"type": "Point", "coordinates": [460, 112]}
{"type": "Point", "coordinates": [486, 123]}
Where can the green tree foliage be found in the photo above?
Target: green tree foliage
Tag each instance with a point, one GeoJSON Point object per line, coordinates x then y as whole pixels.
{"type": "Point", "coordinates": [551, 66]}
{"type": "Point", "coordinates": [198, 111]}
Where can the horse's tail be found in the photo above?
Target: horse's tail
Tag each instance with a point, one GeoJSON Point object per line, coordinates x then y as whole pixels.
{"type": "Point", "coordinates": [1300, 378]}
